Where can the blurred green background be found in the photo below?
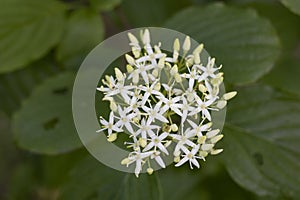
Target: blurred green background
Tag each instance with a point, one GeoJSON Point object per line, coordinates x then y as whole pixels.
{"type": "Point", "coordinates": [42, 44]}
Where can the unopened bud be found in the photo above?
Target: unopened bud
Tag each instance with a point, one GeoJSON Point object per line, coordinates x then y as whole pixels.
{"type": "Point", "coordinates": [112, 137]}
{"type": "Point", "coordinates": [201, 140]}
{"type": "Point", "coordinates": [129, 68]}
{"type": "Point", "coordinates": [143, 142]}
{"type": "Point", "coordinates": [186, 44]}
{"type": "Point", "coordinates": [176, 45]}
{"type": "Point", "coordinates": [207, 147]}
{"type": "Point", "coordinates": [221, 104]}
{"type": "Point", "coordinates": [176, 159]}
{"type": "Point", "coordinates": [129, 59]}
{"type": "Point", "coordinates": [216, 139]}
{"type": "Point", "coordinates": [202, 88]}
{"type": "Point", "coordinates": [229, 95]}
{"type": "Point", "coordinates": [216, 151]}
{"type": "Point", "coordinates": [113, 106]}
{"type": "Point", "coordinates": [119, 74]}
{"type": "Point", "coordinates": [174, 127]}
{"type": "Point", "coordinates": [125, 161]}
{"type": "Point", "coordinates": [150, 170]}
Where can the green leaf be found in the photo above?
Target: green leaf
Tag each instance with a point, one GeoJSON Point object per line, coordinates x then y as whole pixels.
{"type": "Point", "coordinates": [243, 42]}
{"type": "Point", "coordinates": [104, 5]}
{"type": "Point", "coordinates": [149, 13]}
{"type": "Point", "coordinates": [101, 182]}
{"type": "Point", "coordinates": [17, 85]}
{"type": "Point", "coordinates": [83, 32]}
{"type": "Point", "coordinates": [287, 24]}
{"type": "Point", "coordinates": [28, 30]}
{"type": "Point", "coordinates": [23, 182]}
{"type": "Point", "coordinates": [293, 5]}
{"type": "Point", "coordinates": [261, 143]}
{"type": "Point", "coordinates": [8, 154]}
{"type": "Point", "coordinates": [285, 75]}
{"type": "Point", "coordinates": [45, 124]}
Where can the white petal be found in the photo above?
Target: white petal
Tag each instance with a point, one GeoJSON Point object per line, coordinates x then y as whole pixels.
{"type": "Point", "coordinates": [161, 118]}
{"type": "Point", "coordinates": [182, 161]}
{"type": "Point", "coordinates": [138, 168]}
{"type": "Point", "coordinates": [129, 127]}
{"type": "Point", "coordinates": [195, 162]}
{"type": "Point", "coordinates": [163, 148]}
{"type": "Point", "coordinates": [194, 125]}
{"type": "Point", "coordinates": [148, 147]}
{"type": "Point", "coordinates": [163, 135]}
{"type": "Point", "coordinates": [160, 161]}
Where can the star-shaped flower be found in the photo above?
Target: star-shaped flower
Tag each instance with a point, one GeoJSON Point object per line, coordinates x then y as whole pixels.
{"type": "Point", "coordinates": [109, 125]}
{"type": "Point", "coordinates": [190, 156]}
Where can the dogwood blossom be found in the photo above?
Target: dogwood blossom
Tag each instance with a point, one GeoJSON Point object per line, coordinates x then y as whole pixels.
{"type": "Point", "coordinates": [164, 103]}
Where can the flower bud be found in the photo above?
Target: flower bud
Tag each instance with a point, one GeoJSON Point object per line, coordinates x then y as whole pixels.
{"type": "Point", "coordinates": [229, 95]}
{"type": "Point", "coordinates": [146, 37]}
{"type": "Point", "coordinates": [143, 142]}
{"type": "Point", "coordinates": [216, 139]}
{"type": "Point", "coordinates": [113, 106]}
{"type": "Point", "coordinates": [129, 59]}
{"type": "Point", "coordinates": [198, 49]}
{"type": "Point", "coordinates": [203, 154]}
{"type": "Point", "coordinates": [201, 140]}
{"type": "Point", "coordinates": [174, 127]}
{"type": "Point", "coordinates": [216, 151]}
{"type": "Point", "coordinates": [207, 147]}
{"type": "Point", "coordinates": [129, 68]}
{"type": "Point", "coordinates": [150, 170]}
{"type": "Point", "coordinates": [221, 104]}
{"type": "Point", "coordinates": [132, 38]}
{"type": "Point", "coordinates": [186, 44]}
{"type": "Point", "coordinates": [125, 161]}
{"type": "Point", "coordinates": [135, 77]}
{"type": "Point", "coordinates": [212, 133]}
{"type": "Point", "coordinates": [197, 59]}
{"type": "Point", "coordinates": [202, 88]}
{"type": "Point", "coordinates": [119, 74]}
{"type": "Point", "coordinates": [176, 159]}
{"type": "Point", "coordinates": [112, 137]}
{"type": "Point", "coordinates": [157, 87]}
{"type": "Point", "coordinates": [176, 45]}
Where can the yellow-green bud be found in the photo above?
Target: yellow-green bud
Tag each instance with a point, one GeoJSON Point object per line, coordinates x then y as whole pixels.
{"type": "Point", "coordinates": [112, 137]}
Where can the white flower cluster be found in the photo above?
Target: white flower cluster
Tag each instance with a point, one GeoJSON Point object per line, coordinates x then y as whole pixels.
{"type": "Point", "coordinates": [158, 94]}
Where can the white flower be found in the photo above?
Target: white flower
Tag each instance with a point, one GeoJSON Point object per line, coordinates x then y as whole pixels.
{"type": "Point", "coordinates": [125, 119]}
{"type": "Point", "coordinates": [190, 156]}
{"type": "Point", "coordinates": [182, 140]}
{"type": "Point", "coordinates": [155, 113]}
{"type": "Point", "coordinates": [149, 90]}
{"type": "Point", "coordinates": [156, 142]}
{"type": "Point", "coordinates": [171, 103]}
{"type": "Point", "coordinates": [109, 125]}
{"type": "Point", "coordinates": [122, 89]}
{"type": "Point", "coordinates": [203, 107]}
{"type": "Point", "coordinates": [192, 76]}
{"type": "Point", "coordinates": [146, 128]}
{"type": "Point", "coordinates": [209, 70]}
{"type": "Point", "coordinates": [198, 129]}
{"type": "Point", "coordinates": [158, 159]}
{"type": "Point", "coordinates": [186, 109]}
{"type": "Point", "coordinates": [139, 159]}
